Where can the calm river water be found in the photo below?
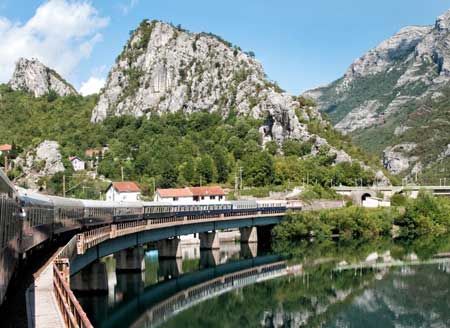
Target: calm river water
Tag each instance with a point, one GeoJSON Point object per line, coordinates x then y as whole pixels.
{"type": "Point", "coordinates": [311, 284]}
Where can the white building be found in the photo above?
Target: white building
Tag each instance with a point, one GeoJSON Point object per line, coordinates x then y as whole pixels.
{"type": "Point", "coordinates": [374, 202]}
{"type": "Point", "coordinates": [202, 195]}
{"type": "Point", "coordinates": [126, 191]}
{"type": "Point", "coordinates": [77, 163]}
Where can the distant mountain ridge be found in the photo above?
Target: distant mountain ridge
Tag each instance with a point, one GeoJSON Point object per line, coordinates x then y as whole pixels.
{"type": "Point", "coordinates": [393, 95]}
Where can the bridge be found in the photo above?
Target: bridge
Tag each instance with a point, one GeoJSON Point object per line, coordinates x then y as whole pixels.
{"type": "Point", "coordinates": [358, 194]}
{"type": "Point", "coordinates": [50, 300]}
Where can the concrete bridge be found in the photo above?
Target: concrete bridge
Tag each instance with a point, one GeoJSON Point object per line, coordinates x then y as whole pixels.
{"type": "Point", "coordinates": [87, 247]}
{"type": "Point", "coordinates": [359, 194]}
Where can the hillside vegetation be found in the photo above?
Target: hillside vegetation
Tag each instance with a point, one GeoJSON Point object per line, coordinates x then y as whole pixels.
{"type": "Point", "coordinates": [175, 149]}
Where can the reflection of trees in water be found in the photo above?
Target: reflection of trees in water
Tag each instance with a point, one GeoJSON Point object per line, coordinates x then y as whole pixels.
{"type": "Point", "coordinates": [321, 297]}
{"type": "Point", "coordinates": [290, 301]}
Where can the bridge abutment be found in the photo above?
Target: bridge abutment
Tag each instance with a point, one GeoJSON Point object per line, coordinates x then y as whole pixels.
{"type": "Point", "coordinates": [130, 260]}
{"type": "Point", "coordinates": [169, 248]}
{"type": "Point", "coordinates": [209, 240]}
{"type": "Point", "coordinates": [248, 235]}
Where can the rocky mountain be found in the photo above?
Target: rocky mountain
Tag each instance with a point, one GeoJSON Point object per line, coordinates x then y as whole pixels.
{"type": "Point", "coordinates": [34, 77]}
{"type": "Point", "coordinates": [397, 94]}
{"type": "Point", "coordinates": [165, 69]}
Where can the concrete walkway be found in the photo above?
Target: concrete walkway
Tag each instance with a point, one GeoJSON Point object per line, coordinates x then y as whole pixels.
{"type": "Point", "coordinates": [42, 309]}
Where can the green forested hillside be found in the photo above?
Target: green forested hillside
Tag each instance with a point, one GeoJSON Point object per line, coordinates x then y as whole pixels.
{"type": "Point", "coordinates": [174, 149]}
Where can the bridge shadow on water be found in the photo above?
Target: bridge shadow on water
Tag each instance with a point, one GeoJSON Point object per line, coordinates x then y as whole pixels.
{"type": "Point", "coordinates": [152, 289]}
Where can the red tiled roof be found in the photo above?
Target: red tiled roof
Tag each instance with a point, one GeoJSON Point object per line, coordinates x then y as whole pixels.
{"type": "Point", "coordinates": [5, 147]}
{"type": "Point", "coordinates": [207, 191]}
{"type": "Point", "coordinates": [175, 192]}
{"type": "Point", "coordinates": [126, 186]}
{"type": "Point", "coordinates": [92, 152]}
{"type": "Point", "coordinates": [71, 158]}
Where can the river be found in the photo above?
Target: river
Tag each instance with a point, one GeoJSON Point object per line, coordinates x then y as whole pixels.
{"type": "Point", "coordinates": [377, 283]}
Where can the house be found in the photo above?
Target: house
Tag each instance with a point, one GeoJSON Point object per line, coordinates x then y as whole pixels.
{"type": "Point", "coordinates": [189, 195]}
{"type": "Point", "coordinates": [208, 194]}
{"type": "Point", "coordinates": [173, 195]}
{"type": "Point", "coordinates": [4, 150]}
{"type": "Point", "coordinates": [126, 191]}
{"type": "Point", "coordinates": [77, 163]}
{"type": "Point", "coordinates": [92, 153]}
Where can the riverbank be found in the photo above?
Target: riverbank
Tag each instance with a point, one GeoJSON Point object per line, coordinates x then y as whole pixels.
{"type": "Point", "coordinates": [425, 215]}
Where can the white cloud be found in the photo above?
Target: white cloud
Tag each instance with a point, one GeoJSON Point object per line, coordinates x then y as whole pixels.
{"type": "Point", "coordinates": [91, 86]}
{"type": "Point", "coordinates": [127, 6]}
{"type": "Point", "coordinates": [60, 34]}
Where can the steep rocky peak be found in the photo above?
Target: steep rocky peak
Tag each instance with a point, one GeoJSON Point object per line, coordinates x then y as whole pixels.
{"type": "Point", "coordinates": [396, 47]}
{"type": "Point", "coordinates": [34, 77]}
{"type": "Point", "coordinates": [443, 21]}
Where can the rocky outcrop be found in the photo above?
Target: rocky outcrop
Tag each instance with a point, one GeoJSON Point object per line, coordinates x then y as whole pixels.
{"type": "Point", "coordinates": [44, 161]}
{"type": "Point", "coordinates": [393, 90]}
{"type": "Point", "coordinates": [34, 77]}
{"type": "Point", "coordinates": [397, 159]}
{"type": "Point", "coordinates": [166, 69]}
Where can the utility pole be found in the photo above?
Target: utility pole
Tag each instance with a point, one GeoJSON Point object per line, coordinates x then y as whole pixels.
{"type": "Point", "coordinates": [64, 185]}
{"type": "Point", "coordinates": [121, 170]}
{"type": "Point", "coordinates": [240, 174]}
{"type": "Point", "coordinates": [236, 185]}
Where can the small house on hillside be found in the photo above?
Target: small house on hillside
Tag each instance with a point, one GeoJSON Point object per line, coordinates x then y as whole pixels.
{"type": "Point", "coordinates": [4, 151]}
{"type": "Point", "coordinates": [208, 194]}
{"type": "Point", "coordinates": [77, 163]}
{"type": "Point", "coordinates": [192, 194]}
{"type": "Point", "coordinates": [173, 195]}
{"type": "Point", "coordinates": [126, 191]}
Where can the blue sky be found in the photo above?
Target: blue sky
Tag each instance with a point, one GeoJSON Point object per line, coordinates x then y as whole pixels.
{"type": "Point", "coordinates": [301, 44]}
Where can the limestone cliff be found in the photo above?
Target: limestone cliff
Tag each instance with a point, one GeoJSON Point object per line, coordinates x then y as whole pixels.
{"type": "Point", "coordinates": [395, 94]}
{"type": "Point", "coordinates": [167, 69]}
{"type": "Point", "coordinates": [34, 77]}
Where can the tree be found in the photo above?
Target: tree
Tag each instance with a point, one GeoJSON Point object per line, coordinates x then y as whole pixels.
{"type": "Point", "coordinates": [258, 169]}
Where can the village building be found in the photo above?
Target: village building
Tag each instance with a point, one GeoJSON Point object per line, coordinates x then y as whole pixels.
{"type": "Point", "coordinates": [4, 151]}
{"type": "Point", "coordinates": [202, 195]}
{"type": "Point", "coordinates": [77, 163]}
{"type": "Point", "coordinates": [126, 191]}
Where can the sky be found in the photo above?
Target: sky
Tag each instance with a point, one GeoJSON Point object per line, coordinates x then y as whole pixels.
{"type": "Point", "coordinates": [301, 44]}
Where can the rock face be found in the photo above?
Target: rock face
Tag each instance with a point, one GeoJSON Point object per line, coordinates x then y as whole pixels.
{"type": "Point", "coordinates": [395, 91]}
{"type": "Point", "coordinates": [45, 160]}
{"type": "Point", "coordinates": [34, 77]}
{"type": "Point", "coordinates": [396, 159]}
{"type": "Point", "coordinates": [166, 69]}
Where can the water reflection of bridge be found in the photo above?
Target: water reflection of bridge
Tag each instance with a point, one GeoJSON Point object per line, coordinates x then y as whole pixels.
{"type": "Point", "coordinates": [156, 303]}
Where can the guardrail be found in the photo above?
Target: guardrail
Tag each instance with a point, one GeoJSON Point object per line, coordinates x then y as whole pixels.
{"type": "Point", "coordinates": [71, 310]}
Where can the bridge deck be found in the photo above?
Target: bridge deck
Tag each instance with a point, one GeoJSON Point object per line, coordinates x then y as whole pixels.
{"type": "Point", "coordinates": [42, 309]}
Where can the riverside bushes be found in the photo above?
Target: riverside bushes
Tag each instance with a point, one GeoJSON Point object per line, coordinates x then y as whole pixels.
{"type": "Point", "coordinates": [426, 215]}
{"type": "Point", "coordinates": [350, 222]}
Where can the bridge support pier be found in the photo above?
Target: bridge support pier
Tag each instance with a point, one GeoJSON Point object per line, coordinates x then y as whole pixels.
{"type": "Point", "coordinates": [209, 240]}
{"type": "Point", "coordinates": [130, 260]}
{"type": "Point", "coordinates": [92, 279]}
{"type": "Point", "coordinates": [249, 250]}
{"type": "Point", "coordinates": [170, 268]}
{"type": "Point", "coordinates": [248, 235]}
{"type": "Point", "coordinates": [209, 258]}
{"type": "Point", "coordinates": [169, 248]}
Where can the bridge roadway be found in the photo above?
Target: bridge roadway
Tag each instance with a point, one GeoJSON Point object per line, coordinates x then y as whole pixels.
{"type": "Point", "coordinates": [86, 247]}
